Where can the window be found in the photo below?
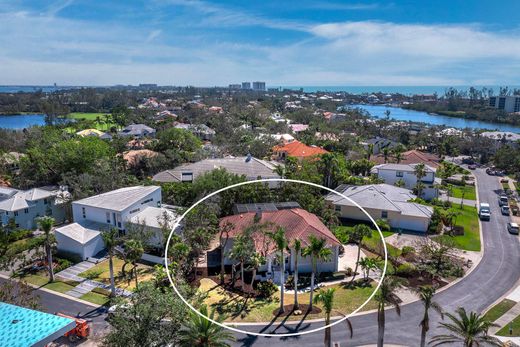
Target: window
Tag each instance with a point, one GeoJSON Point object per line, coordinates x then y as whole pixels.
{"type": "Point", "coordinates": [16, 213]}
{"type": "Point", "coordinates": [108, 217]}
{"type": "Point", "coordinates": [399, 174]}
{"type": "Point", "coordinates": [187, 177]}
{"type": "Point", "coordinates": [337, 208]}
{"type": "Point", "coordinates": [45, 201]}
{"type": "Point", "coordinates": [384, 214]}
{"type": "Point", "coordinates": [146, 201]}
{"type": "Point", "coordinates": [134, 211]}
{"type": "Point", "coordinates": [26, 210]}
{"type": "Point", "coordinates": [83, 212]}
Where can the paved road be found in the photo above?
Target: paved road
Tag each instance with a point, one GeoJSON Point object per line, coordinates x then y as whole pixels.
{"type": "Point", "coordinates": [52, 303]}
{"type": "Point", "coordinates": [497, 273]}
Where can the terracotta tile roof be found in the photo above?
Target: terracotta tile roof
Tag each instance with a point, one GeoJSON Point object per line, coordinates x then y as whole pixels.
{"type": "Point", "coordinates": [411, 157]}
{"type": "Point", "coordinates": [298, 224]}
{"type": "Point", "coordinates": [299, 150]}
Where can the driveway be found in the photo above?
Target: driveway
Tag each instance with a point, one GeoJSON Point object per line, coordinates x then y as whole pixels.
{"type": "Point", "coordinates": [497, 273]}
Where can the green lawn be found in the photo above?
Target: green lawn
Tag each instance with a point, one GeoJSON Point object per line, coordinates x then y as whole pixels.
{"type": "Point", "coordinates": [374, 243]}
{"type": "Point", "coordinates": [61, 287]}
{"type": "Point", "coordinates": [470, 193]}
{"type": "Point", "coordinates": [92, 117]}
{"type": "Point", "coordinates": [95, 298]}
{"type": "Point", "coordinates": [238, 309]}
{"type": "Point", "coordinates": [499, 309]}
{"type": "Point", "coordinates": [468, 218]}
{"type": "Point", "coordinates": [516, 328]}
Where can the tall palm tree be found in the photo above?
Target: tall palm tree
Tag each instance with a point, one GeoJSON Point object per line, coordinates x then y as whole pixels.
{"type": "Point", "coordinates": [370, 151]}
{"type": "Point", "coordinates": [280, 240]}
{"type": "Point", "coordinates": [398, 153]}
{"type": "Point", "coordinates": [420, 172]}
{"type": "Point", "coordinates": [367, 264]}
{"type": "Point", "coordinates": [329, 165]}
{"type": "Point", "coordinates": [386, 154]}
{"type": "Point", "coordinates": [198, 331]}
{"type": "Point", "coordinates": [45, 224]}
{"type": "Point", "coordinates": [255, 261]}
{"type": "Point", "coordinates": [240, 251]}
{"type": "Point", "coordinates": [297, 247]}
{"type": "Point", "coordinates": [110, 238]}
{"type": "Point", "coordinates": [471, 331]}
{"type": "Point", "coordinates": [359, 232]}
{"type": "Point", "coordinates": [326, 297]}
{"type": "Point", "coordinates": [386, 296]}
{"type": "Point", "coordinates": [317, 250]}
{"type": "Point", "coordinates": [134, 252]}
{"type": "Point", "coordinates": [426, 293]}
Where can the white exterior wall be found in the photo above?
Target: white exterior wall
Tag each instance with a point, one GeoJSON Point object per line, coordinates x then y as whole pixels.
{"type": "Point", "coordinates": [96, 214]}
{"type": "Point", "coordinates": [37, 209]}
{"type": "Point", "coordinates": [410, 181]}
{"type": "Point", "coordinates": [395, 219]}
{"type": "Point", "coordinates": [90, 249]}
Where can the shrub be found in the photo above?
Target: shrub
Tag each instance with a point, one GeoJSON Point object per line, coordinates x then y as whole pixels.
{"type": "Point", "coordinates": [406, 250]}
{"type": "Point", "coordinates": [349, 271]}
{"type": "Point", "coordinates": [92, 274]}
{"type": "Point", "coordinates": [405, 270]}
{"type": "Point", "coordinates": [62, 264]}
{"type": "Point", "coordinates": [383, 225]}
{"type": "Point", "coordinates": [18, 235]}
{"type": "Point", "coordinates": [266, 289]}
{"type": "Point", "coordinates": [72, 257]}
{"type": "Point", "coordinates": [457, 271]}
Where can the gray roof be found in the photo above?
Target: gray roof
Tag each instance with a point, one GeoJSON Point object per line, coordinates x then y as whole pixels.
{"type": "Point", "coordinates": [154, 217]}
{"type": "Point", "coordinates": [381, 197]}
{"type": "Point", "coordinates": [119, 199]}
{"type": "Point", "coordinates": [15, 200]}
{"type": "Point", "coordinates": [499, 135]}
{"type": "Point", "coordinates": [81, 233]}
{"type": "Point", "coordinates": [137, 130]}
{"type": "Point", "coordinates": [400, 167]}
{"type": "Point", "coordinates": [252, 169]}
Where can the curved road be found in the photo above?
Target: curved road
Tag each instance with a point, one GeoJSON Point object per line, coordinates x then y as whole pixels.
{"type": "Point", "coordinates": [495, 275]}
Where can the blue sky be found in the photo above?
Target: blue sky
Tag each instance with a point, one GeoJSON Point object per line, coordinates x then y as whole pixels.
{"type": "Point", "coordinates": [308, 43]}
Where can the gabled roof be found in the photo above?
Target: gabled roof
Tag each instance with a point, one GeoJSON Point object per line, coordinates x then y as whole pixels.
{"type": "Point", "coordinates": [19, 199]}
{"type": "Point", "coordinates": [411, 157]}
{"type": "Point", "coordinates": [400, 167]}
{"type": "Point", "coordinates": [119, 199]}
{"type": "Point", "coordinates": [81, 233]}
{"type": "Point", "coordinates": [383, 197]}
{"type": "Point", "coordinates": [299, 150]}
{"type": "Point", "coordinates": [250, 167]}
{"type": "Point", "coordinates": [297, 223]}
{"type": "Point", "coordinates": [137, 129]}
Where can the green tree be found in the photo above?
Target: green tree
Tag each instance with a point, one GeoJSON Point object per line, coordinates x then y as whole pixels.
{"type": "Point", "coordinates": [110, 238]}
{"type": "Point", "coordinates": [359, 232]}
{"type": "Point", "coordinates": [326, 297]}
{"type": "Point", "coordinates": [178, 145]}
{"type": "Point", "coordinates": [317, 250]}
{"type": "Point", "coordinates": [386, 296]}
{"type": "Point", "coordinates": [198, 331]}
{"type": "Point", "coordinates": [470, 330]}
{"type": "Point", "coordinates": [297, 247]}
{"type": "Point", "coordinates": [420, 172]}
{"type": "Point", "coordinates": [426, 293]}
{"type": "Point", "coordinates": [45, 224]}
{"type": "Point", "coordinates": [243, 247]}
{"type": "Point", "coordinates": [367, 264]}
{"type": "Point", "coordinates": [281, 243]}
{"type": "Point", "coordinates": [134, 252]}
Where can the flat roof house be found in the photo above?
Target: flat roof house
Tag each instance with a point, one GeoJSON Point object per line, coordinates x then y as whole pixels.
{"type": "Point", "coordinates": [25, 206]}
{"type": "Point", "coordinates": [298, 224]}
{"type": "Point", "coordinates": [405, 173]}
{"type": "Point", "coordinates": [382, 201]}
{"type": "Point", "coordinates": [250, 167]}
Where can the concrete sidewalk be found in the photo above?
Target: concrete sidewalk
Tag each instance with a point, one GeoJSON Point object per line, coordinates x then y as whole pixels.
{"type": "Point", "coordinates": [506, 318]}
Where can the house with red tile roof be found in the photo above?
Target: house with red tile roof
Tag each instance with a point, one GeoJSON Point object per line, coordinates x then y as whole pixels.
{"type": "Point", "coordinates": [298, 150]}
{"type": "Point", "coordinates": [411, 157]}
{"type": "Point", "coordinates": [297, 223]}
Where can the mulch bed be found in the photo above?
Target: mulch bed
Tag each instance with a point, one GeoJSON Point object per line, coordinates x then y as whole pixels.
{"type": "Point", "coordinates": [288, 310]}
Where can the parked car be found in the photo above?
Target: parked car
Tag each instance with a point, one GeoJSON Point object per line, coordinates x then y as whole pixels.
{"type": "Point", "coordinates": [512, 228]}
{"type": "Point", "coordinates": [472, 166]}
{"type": "Point", "coordinates": [490, 171]}
{"type": "Point", "coordinates": [505, 210]}
{"type": "Point", "coordinates": [503, 200]}
{"type": "Point", "coordinates": [484, 212]}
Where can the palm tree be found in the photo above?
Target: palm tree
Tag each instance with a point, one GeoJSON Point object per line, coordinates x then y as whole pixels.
{"type": "Point", "coordinates": [329, 165]}
{"type": "Point", "coordinates": [426, 293]}
{"type": "Point", "coordinates": [370, 150]}
{"type": "Point", "coordinates": [280, 240]}
{"type": "Point", "coordinates": [45, 224]}
{"type": "Point", "coordinates": [317, 250]}
{"type": "Point", "coordinates": [359, 232]}
{"type": "Point", "coordinates": [398, 153]}
{"type": "Point", "coordinates": [420, 172]}
{"type": "Point", "coordinates": [367, 264]}
{"type": "Point", "coordinates": [471, 331]}
{"type": "Point", "coordinates": [134, 252]}
{"type": "Point", "coordinates": [241, 251]}
{"type": "Point", "coordinates": [386, 154]}
{"type": "Point", "coordinates": [111, 241]}
{"type": "Point", "coordinates": [297, 246]}
{"type": "Point", "coordinates": [198, 331]}
{"type": "Point", "coordinates": [326, 297]}
{"type": "Point", "coordinates": [386, 296]}
{"type": "Point", "coordinates": [255, 261]}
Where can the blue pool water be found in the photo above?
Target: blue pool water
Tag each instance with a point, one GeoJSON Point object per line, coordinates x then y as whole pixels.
{"type": "Point", "coordinates": [21, 121]}
{"type": "Point", "coordinates": [22, 327]}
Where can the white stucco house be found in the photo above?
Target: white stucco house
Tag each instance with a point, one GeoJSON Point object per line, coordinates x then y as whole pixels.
{"type": "Point", "coordinates": [298, 224]}
{"type": "Point", "coordinates": [114, 209]}
{"type": "Point", "coordinates": [155, 220]}
{"type": "Point", "coordinates": [23, 207]}
{"type": "Point", "coordinates": [382, 201]}
{"type": "Point", "coordinates": [393, 173]}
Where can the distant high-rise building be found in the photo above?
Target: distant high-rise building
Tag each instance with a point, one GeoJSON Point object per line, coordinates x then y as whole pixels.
{"type": "Point", "coordinates": [507, 103]}
{"type": "Point", "coordinates": [246, 85]}
{"type": "Point", "coordinates": [234, 86]}
{"type": "Point", "coordinates": [259, 86]}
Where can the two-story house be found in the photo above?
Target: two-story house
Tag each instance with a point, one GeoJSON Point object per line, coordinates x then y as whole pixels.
{"type": "Point", "coordinates": [23, 207]}
{"type": "Point", "coordinates": [403, 175]}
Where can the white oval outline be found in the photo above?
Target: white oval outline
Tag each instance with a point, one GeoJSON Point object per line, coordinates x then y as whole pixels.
{"type": "Point", "coordinates": [266, 334]}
